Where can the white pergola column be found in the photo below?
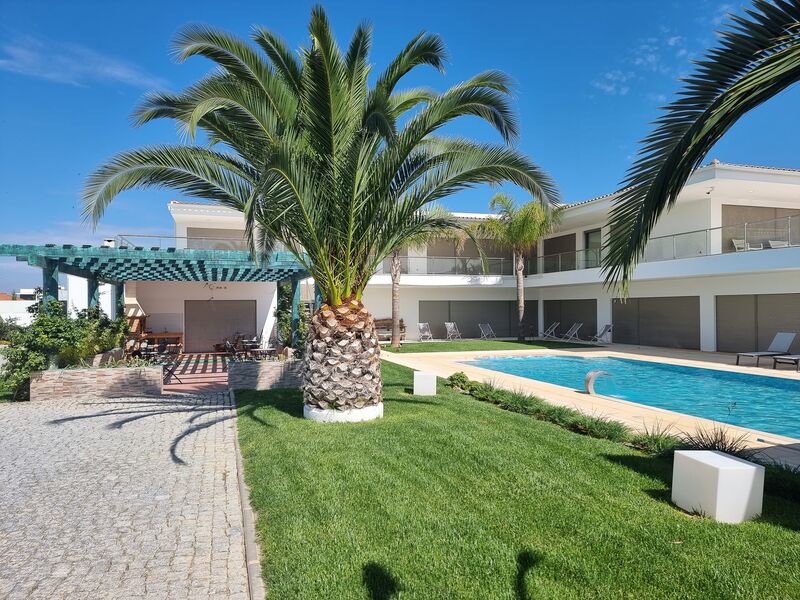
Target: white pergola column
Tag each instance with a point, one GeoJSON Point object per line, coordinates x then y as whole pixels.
{"type": "Point", "coordinates": [604, 313]}
{"type": "Point", "coordinates": [708, 323]}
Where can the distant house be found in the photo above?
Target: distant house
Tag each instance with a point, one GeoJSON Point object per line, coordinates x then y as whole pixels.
{"type": "Point", "coordinates": [4, 296]}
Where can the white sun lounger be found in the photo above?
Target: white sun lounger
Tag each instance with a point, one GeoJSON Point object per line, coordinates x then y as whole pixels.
{"type": "Point", "coordinates": [572, 333]}
{"type": "Point", "coordinates": [550, 332]}
{"type": "Point", "coordinates": [603, 333]}
{"type": "Point", "coordinates": [424, 332]}
{"type": "Point", "coordinates": [452, 331]}
{"type": "Point", "coordinates": [487, 333]}
{"type": "Point", "coordinates": [780, 345]}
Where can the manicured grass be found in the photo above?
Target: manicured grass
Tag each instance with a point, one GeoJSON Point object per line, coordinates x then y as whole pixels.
{"type": "Point", "coordinates": [470, 345]}
{"type": "Point", "coordinates": [449, 497]}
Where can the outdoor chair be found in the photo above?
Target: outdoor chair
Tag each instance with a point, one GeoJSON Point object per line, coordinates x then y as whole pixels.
{"type": "Point", "coordinates": [168, 359]}
{"type": "Point", "coordinates": [233, 351]}
{"type": "Point", "coordinates": [487, 333]}
{"type": "Point", "coordinates": [602, 334]}
{"type": "Point", "coordinates": [550, 332]}
{"type": "Point", "coordinates": [780, 345]}
{"type": "Point", "coordinates": [452, 331]}
{"type": "Point", "coordinates": [777, 243]}
{"type": "Point", "coordinates": [424, 332]}
{"type": "Point", "coordinates": [744, 246]}
{"type": "Point", "coordinates": [787, 359]}
{"type": "Point", "coordinates": [572, 333]}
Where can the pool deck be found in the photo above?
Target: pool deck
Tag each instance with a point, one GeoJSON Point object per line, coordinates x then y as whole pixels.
{"type": "Point", "coordinates": [638, 417]}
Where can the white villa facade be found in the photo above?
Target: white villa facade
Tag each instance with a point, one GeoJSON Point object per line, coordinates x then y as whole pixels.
{"type": "Point", "coordinates": [721, 273]}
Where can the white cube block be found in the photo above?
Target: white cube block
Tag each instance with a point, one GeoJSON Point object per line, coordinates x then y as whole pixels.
{"type": "Point", "coordinates": [717, 485]}
{"type": "Point", "coordinates": [424, 383]}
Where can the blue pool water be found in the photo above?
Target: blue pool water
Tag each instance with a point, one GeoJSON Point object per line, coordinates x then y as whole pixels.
{"type": "Point", "coordinates": [766, 403]}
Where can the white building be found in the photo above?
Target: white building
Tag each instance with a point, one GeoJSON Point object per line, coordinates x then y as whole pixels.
{"type": "Point", "coordinates": [722, 272]}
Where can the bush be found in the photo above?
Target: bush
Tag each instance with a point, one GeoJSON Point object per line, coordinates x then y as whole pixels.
{"type": "Point", "coordinates": [53, 339]}
{"type": "Point", "coordinates": [562, 416]}
{"type": "Point", "coordinates": [656, 440]}
{"type": "Point", "coordinates": [718, 438]}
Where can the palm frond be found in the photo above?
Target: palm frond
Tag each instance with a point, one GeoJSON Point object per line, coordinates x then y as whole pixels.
{"type": "Point", "coordinates": [758, 57]}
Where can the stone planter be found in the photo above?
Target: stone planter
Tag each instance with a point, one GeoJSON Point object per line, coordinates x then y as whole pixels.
{"type": "Point", "coordinates": [116, 382]}
{"type": "Point", "coordinates": [265, 375]}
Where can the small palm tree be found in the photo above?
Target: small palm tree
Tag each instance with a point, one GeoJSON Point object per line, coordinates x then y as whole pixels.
{"type": "Point", "coordinates": [757, 58]}
{"type": "Point", "coordinates": [519, 230]}
{"type": "Point", "coordinates": [337, 169]}
{"type": "Point", "coordinates": [396, 263]}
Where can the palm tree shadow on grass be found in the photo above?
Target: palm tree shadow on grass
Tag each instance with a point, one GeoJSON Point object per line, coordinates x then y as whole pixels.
{"type": "Point", "coordinates": [380, 583]}
{"type": "Point", "coordinates": [526, 560]}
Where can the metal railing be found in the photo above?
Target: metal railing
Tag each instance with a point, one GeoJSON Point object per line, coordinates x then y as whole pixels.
{"type": "Point", "coordinates": [161, 242]}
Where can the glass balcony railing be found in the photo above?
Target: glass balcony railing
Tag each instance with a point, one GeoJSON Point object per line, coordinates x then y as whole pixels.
{"type": "Point", "coordinates": [192, 243]}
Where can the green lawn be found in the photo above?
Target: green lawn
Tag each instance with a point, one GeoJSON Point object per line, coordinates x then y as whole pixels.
{"type": "Point", "coordinates": [470, 345]}
{"type": "Point", "coordinates": [449, 497]}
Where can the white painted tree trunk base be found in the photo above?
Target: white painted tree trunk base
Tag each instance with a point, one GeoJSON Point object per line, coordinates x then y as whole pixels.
{"type": "Point", "coordinates": [352, 415]}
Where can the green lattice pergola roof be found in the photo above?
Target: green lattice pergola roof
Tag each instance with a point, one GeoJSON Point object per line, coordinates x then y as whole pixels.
{"type": "Point", "coordinates": [122, 264]}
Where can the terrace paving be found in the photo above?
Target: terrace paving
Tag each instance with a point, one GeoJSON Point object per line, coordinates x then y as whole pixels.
{"type": "Point", "coordinates": [124, 498]}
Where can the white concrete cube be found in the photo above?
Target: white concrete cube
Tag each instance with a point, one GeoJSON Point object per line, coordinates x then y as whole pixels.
{"type": "Point", "coordinates": [424, 383]}
{"type": "Point", "coordinates": [717, 485]}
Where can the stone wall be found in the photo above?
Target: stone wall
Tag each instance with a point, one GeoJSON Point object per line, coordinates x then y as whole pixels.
{"type": "Point", "coordinates": [116, 382]}
{"type": "Point", "coordinates": [265, 375]}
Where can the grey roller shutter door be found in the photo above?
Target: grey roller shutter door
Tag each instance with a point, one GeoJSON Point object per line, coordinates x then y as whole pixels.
{"type": "Point", "coordinates": [209, 322]}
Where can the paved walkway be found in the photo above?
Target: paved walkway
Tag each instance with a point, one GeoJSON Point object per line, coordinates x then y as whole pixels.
{"type": "Point", "coordinates": [125, 498]}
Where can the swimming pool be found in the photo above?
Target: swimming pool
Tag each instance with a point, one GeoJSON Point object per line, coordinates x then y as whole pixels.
{"type": "Point", "coordinates": [769, 404]}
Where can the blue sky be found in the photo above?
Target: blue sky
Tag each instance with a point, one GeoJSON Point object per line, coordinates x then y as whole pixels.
{"type": "Point", "coordinates": [589, 78]}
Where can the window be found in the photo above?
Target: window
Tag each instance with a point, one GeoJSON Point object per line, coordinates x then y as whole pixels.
{"type": "Point", "coordinates": [592, 241]}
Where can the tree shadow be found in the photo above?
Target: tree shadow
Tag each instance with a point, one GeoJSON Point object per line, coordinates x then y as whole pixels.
{"type": "Point", "coordinates": [526, 561]}
{"type": "Point", "coordinates": [288, 401]}
{"type": "Point", "coordinates": [202, 412]}
{"type": "Point", "coordinates": [380, 583]}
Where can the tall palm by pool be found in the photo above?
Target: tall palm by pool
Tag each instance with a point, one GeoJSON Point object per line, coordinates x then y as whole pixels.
{"type": "Point", "coordinates": [339, 171]}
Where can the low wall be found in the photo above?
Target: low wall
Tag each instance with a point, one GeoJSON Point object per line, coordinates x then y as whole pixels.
{"type": "Point", "coordinates": [265, 375]}
{"type": "Point", "coordinates": [116, 382]}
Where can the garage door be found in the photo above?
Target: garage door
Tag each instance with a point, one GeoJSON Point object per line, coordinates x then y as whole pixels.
{"type": "Point", "coordinates": [568, 312]}
{"type": "Point", "coordinates": [209, 322]}
{"type": "Point", "coordinates": [500, 314]}
{"type": "Point", "coordinates": [667, 322]}
{"type": "Point", "coordinates": [748, 322]}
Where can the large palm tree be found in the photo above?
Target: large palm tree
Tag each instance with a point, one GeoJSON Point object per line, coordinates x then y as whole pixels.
{"type": "Point", "coordinates": [518, 229]}
{"type": "Point", "coordinates": [758, 57]}
{"type": "Point", "coordinates": [335, 165]}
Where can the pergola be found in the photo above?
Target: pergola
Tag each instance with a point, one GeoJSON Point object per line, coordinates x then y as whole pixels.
{"type": "Point", "coordinates": [116, 265]}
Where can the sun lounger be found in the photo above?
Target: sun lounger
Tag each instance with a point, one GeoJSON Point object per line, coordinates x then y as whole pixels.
{"type": "Point", "coordinates": [424, 332]}
{"type": "Point", "coordinates": [744, 246]}
{"type": "Point", "coordinates": [603, 333]}
{"type": "Point", "coordinates": [452, 331]}
{"type": "Point", "coordinates": [777, 243]}
{"type": "Point", "coordinates": [550, 332]}
{"type": "Point", "coordinates": [487, 333]}
{"type": "Point", "coordinates": [572, 333]}
{"type": "Point", "coordinates": [780, 345]}
{"type": "Point", "coordinates": [786, 359]}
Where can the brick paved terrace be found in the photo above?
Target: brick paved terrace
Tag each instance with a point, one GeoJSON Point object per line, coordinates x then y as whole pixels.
{"type": "Point", "coordinates": [124, 498]}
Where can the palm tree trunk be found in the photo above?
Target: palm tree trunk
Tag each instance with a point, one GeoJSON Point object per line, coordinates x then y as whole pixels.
{"type": "Point", "coordinates": [519, 271]}
{"type": "Point", "coordinates": [395, 269]}
{"type": "Point", "coordinates": [342, 360]}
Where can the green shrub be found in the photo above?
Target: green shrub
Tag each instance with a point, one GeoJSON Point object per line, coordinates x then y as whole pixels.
{"type": "Point", "coordinates": [656, 440]}
{"type": "Point", "coordinates": [601, 427]}
{"type": "Point", "coordinates": [53, 339]}
{"type": "Point", "coordinates": [458, 381]}
{"type": "Point", "coordinates": [718, 438]}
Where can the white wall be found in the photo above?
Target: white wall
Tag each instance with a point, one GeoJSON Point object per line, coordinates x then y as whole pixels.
{"type": "Point", "coordinates": [378, 300]}
{"type": "Point", "coordinates": [16, 310]}
{"type": "Point", "coordinates": [162, 301]}
{"type": "Point", "coordinates": [78, 298]}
